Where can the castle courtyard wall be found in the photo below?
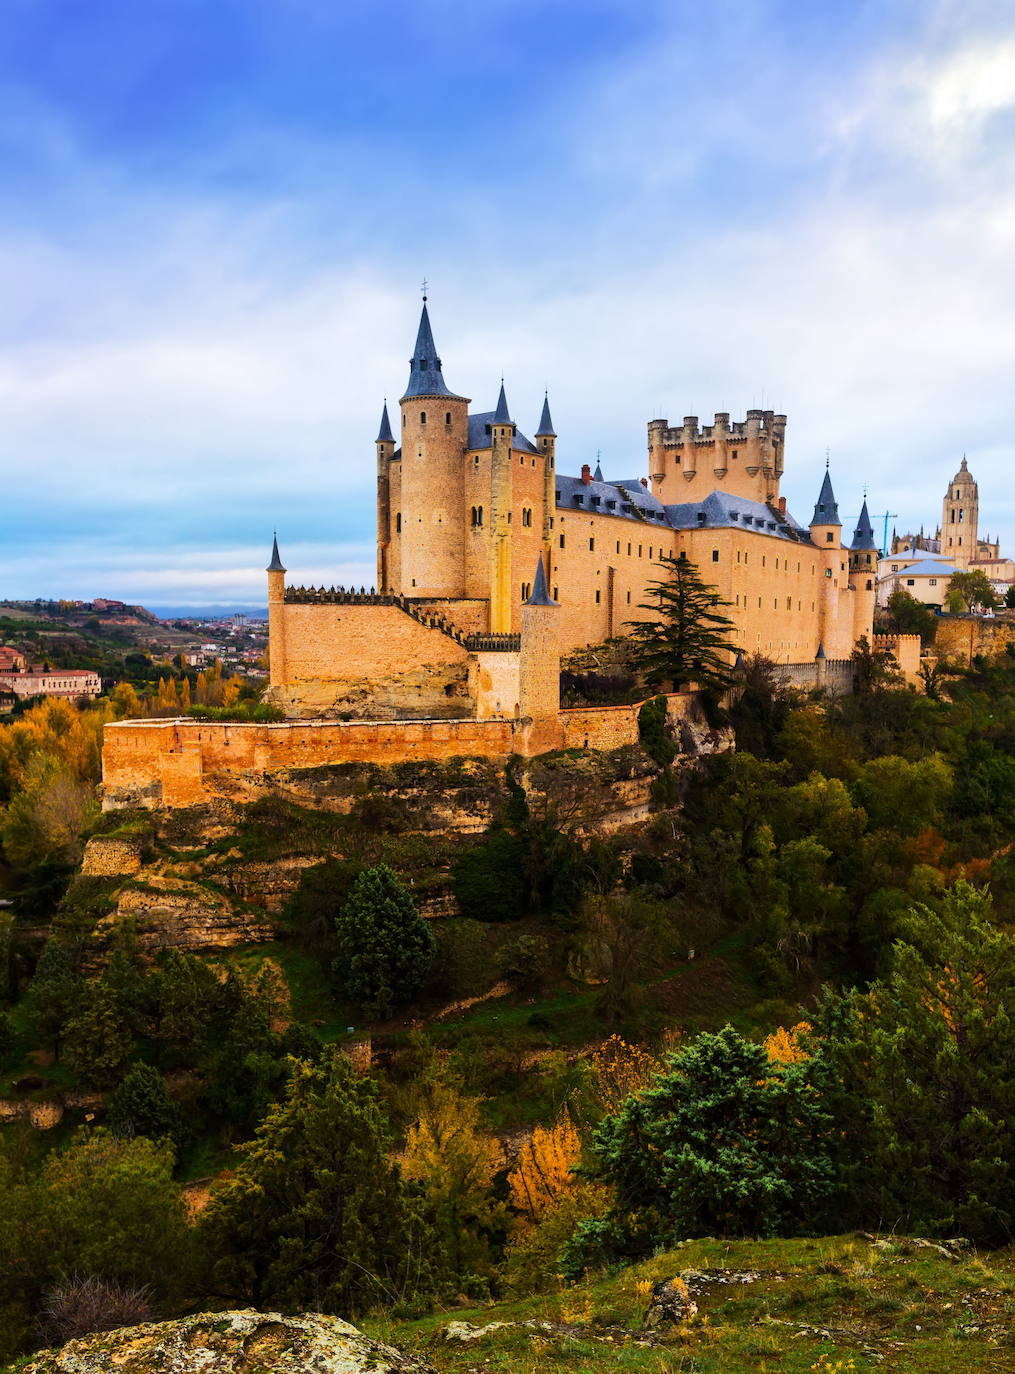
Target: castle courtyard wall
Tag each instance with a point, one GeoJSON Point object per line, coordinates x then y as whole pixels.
{"type": "Point", "coordinates": [371, 661]}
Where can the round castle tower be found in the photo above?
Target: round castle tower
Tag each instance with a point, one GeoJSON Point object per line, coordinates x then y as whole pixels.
{"type": "Point", "coordinates": [435, 431]}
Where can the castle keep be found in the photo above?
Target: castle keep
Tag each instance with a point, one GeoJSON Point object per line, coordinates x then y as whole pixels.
{"type": "Point", "coordinates": [491, 564]}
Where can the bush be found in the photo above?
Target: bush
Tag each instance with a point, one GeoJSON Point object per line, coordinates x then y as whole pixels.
{"type": "Point", "coordinates": [726, 1142]}
{"type": "Point", "coordinates": [384, 948]}
{"type": "Point", "coordinates": [79, 1306]}
{"type": "Point", "coordinates": [653, 734]}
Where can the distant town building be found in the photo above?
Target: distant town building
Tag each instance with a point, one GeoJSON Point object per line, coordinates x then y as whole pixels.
{"type": "Point", "coordinates": [22, 681]}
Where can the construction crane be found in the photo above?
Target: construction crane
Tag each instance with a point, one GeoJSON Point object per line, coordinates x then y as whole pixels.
{"type": "Point", "coordinates": [886, 516]}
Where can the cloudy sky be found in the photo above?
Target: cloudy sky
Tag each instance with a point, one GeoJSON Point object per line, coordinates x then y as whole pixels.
{"type": "Point", "coordinates": [215, 215]}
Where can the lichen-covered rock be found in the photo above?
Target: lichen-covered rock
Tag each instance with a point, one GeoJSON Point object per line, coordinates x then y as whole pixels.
{"type": "Point", "coordinates": [245, 1342]}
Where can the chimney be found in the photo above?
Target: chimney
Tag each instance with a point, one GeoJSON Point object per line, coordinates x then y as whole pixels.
{"type": "Point", "coordinates": [586, 474]}
{"type": "Point", "coordinates": [644, 481]}
{"type": "Point", "coordinates": [782, 505]}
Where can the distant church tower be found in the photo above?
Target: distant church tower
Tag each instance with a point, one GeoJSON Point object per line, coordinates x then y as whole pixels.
{"type": "Point", "coordinates": [959, 518]}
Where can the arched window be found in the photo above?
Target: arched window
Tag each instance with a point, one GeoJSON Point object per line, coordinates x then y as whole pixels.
{"type": "Point", "coordinates": [526, 516]}
{"type": "Point", "coordinates": [447, 417]}
{"type": "Point", "coordinates": [422, 417]}
{"type": "Point", "coordinates": [479, 512]}
{"type": "Point", "coordinates": [526, 590]}
{"type": "Point", "coordinates": [398, 522]}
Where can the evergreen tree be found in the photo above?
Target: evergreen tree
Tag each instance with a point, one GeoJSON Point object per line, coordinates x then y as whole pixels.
{"type": "Point", "coordinates": [726, 1142]}
{"type": "Point", "coordinates": [141, 1106]}
{"type": "Point", "coordinates": [315, 1217]}
{"type": "Point", "coordinates": [691, 640]}
{"type": "Point", "coordinates": [55, 993]}
{"type": "Point", "coordinates": [98, 1039]}
{"type": "Point", "coordinates": [936, 1044]}
{"type": "Point", "coordinates": [385, 948]}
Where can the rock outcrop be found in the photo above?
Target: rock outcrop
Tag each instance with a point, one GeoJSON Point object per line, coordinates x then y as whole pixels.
{"type": "Point", "coordinates": [228, 1343]}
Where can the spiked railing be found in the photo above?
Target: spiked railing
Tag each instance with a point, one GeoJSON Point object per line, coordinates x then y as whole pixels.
{"type": "Point", "coordinates": [430, 620]}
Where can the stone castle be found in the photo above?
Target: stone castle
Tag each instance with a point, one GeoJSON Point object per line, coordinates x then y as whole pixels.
{"type": "Point", "coordinates": [492, 564]}
{"type": "Point", "coordinates": [470, 512]}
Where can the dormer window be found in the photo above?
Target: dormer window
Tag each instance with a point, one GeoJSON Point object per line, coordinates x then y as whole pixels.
{"type": "Point", "coordinates": [579, 500]}
{"type": "Point", "coordinates": [611, 505]}
{"type": "Point", "coordinates": [701, 517]}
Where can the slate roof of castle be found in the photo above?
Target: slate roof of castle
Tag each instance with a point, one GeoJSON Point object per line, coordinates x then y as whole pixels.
{"type": "Point", "coordinates": [546, 429]}
{"type": "Point", "coordinates": [826, 511]}
{"type": "Point", "coordinates": [723, 510]}
{"type": "Point", "coordinates": [540, 594]}
{"type": "Point", "coordinates": [425, 376]}
{"type": "Point", "coordinates": [480, 435]}
{"type": "Point", "coordinates": [384, 434]}
{"type": "Point", "coordinates": [627, 498]}
{"type": "Point", "coordinates": [276, 563]}
{"type": "Point", "coordinates": [863, 535]}
{"type": "Point", "coordinates": [502, 416]}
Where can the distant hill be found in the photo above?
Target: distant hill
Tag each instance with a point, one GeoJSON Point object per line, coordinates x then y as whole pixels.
{"type": "Point", "coordinates": [208, 612]}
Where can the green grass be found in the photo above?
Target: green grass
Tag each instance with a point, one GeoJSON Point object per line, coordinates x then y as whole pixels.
{"type": "Point", "coordinates": [813, 1305]}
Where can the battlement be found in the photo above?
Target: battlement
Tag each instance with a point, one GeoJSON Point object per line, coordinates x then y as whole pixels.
{"type": "Point", "coordinates": [905, 649]}
{"type": "Point", "coordinates": [757, 424]}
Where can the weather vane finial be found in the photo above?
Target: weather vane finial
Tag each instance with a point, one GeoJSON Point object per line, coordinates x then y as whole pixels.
{"type": "Point", "coordinates": [826, 457]}
{"type": "Point", "coordinates": [425, 288]}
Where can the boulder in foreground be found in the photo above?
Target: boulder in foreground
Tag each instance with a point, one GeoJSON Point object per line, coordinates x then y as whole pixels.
{"type": "Point", "coordinates": [228, 1343]}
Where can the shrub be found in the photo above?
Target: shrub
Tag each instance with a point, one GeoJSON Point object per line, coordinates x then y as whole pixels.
{"type": "Point", "coordinates": [652, 732]}
{"type": "Point", "coordinates": [79, 1306]}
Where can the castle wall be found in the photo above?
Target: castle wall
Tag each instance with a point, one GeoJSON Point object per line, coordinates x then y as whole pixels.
{"type": "Point", "coordinates": [175, 763]}
{"type": "Point", "coordinates": [368, 660]}
{"type": "Point", "coordinates": [834, 675]}
{"type": "Point", "coordinates": [775, 588]}
{"type": "Point", "coordinates": [906, 649]}
{"type": "Point", "coordinates": [494, 684]}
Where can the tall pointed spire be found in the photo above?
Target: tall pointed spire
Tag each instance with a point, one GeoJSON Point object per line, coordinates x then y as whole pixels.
{"type": "Point", "coordinates": [425, 378]}
{"type": "Point", "coordinates": [540, 594]}
{"type": "Point", "coordinates": [502, 416]}
{"type": "Point", "coordinates": [597, 476]}
{"type": "Point", "coordinates": [276, 563]}
{"type": "Point", "coordinates": [546, 429]}
{"type": "Point", "coordinates": [826, 512]}
{"type": "Point", "coordinates": [384, 434]}
{"type": "Point", "coordinates": [863, 535]}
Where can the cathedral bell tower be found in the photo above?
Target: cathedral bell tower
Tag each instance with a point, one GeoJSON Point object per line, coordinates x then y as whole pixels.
{"type": "Point", "coordinates": [960, 517]}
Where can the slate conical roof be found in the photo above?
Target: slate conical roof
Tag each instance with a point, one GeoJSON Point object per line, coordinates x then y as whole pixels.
{"type": "Point", "coordinates": [546, 429]}
{"type": "Point", "coordinates": [826, 512]}
{"type": "Point", "coordinates": [597, 476]}
{"type": "Point", "coordinates": [276, 563]}
{"type": "Point", "coordinates": [384, 434]}
{"type": "Point", "coordinates": [501, 416]}
{"type": "Point", "coordinates": [425, 378]}
{"type": "Point", "coordinates": [540, 596]}
{"type": "Point", "coordinates": [863, 535]}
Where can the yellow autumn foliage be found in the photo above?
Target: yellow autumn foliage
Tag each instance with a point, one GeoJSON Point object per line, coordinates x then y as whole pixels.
{"type": "Point", "coordinates": [784, 1045]}
{"type": "Point", "coordinates": [620, 1069]}
{"type": "Point", "coordinates": [543, 1174]}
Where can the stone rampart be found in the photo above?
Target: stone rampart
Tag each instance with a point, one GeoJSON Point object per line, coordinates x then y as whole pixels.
{"type": "Point", "coordinates": [834, 675]}
{"type": "Point", "coordinates": [183, 762]}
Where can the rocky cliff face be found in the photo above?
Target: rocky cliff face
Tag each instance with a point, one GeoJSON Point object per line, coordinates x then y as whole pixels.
{"type": "Point", "coordinates": [242, 1342]}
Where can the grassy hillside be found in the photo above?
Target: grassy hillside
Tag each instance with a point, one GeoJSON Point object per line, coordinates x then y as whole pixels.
{"type": "Point", "coordinates": [839, 1304]}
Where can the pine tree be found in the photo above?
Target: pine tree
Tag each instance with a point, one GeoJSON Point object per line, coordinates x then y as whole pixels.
{"type": "Point", "coordinates": [385, 948]}
{"type": "Point", "coordinates": [315, 1217]}
{"type": "Point", "coordinates": [691, 640]}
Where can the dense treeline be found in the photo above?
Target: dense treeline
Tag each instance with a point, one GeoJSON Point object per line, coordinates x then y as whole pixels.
{"type": "Point", "coordinates": [857, 852]}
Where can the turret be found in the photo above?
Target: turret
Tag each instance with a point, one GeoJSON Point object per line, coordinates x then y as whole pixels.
{"type": "Point", "coordinates": [435, 426]}
{"type": "Point", "coordinates": [546, 442]}
{"type": "Point", "coordinates": [863, 567]}
{"type": "Point", "coordinates": [502, 430]}
{"type": "Point", "coordinates": [826, 532]}
{"type": "Point", "coordinates": [385, 452]}
{"type": "Point", "coordinates": [539, 666]}
{"type": "Point", "coordinates": [276, 617]}
{"type": "Point", "coordinates": [825, 522]}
